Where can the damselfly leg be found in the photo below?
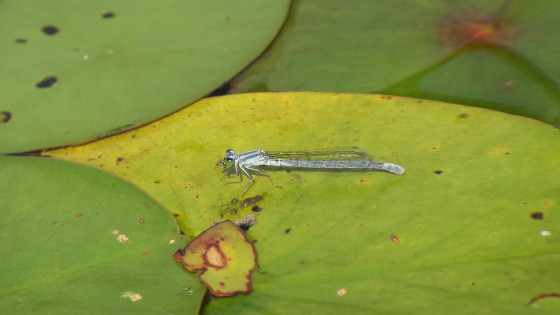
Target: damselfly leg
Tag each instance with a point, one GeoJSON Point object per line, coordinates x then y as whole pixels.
{"type": "Point", "coordinates": [241, 168]}
{"type": "Point", "coordinates": [258, 170]}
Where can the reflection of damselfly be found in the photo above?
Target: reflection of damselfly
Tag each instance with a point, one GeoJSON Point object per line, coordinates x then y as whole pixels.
{"type": "Point", "coordinates": [252, 161]}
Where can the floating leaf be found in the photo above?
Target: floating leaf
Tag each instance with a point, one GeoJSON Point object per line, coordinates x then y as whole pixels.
{"type": "Point", "coordinates": [225, 257]}
{"type": "Point", "coordinates": [460, 229]}
{"type": "Point", "coordinates": [75, 239]}
{"type": "Point", "coordinates": [73, 71]}
{"type": "Point", "coordinates": [493, 54]}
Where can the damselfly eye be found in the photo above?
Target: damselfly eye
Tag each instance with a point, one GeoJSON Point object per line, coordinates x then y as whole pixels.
{"type": "Point", "coordinates": [229, 155]}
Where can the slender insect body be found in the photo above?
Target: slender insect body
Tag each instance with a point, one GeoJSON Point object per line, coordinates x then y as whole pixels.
{"type": "Point", "coordinates": [327, 164]}
{"type": "Point", "coordinates": [251, 161]}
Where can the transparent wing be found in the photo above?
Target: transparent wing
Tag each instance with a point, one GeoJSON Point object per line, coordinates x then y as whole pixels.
{"type": "Point", "coordinates": [351, 153]}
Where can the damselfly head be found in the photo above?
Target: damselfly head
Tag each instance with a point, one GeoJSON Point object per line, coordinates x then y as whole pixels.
{"type": "Point", "coordinates": [230, 155]}
{"type": "Point", "coordinates": [229, 159]}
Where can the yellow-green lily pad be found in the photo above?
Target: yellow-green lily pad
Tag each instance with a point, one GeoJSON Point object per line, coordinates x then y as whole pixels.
{"type": "Point", "coordinates": [473, 222]}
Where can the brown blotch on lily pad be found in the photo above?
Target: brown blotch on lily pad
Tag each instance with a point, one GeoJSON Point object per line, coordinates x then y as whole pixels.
{"type": "Point", "coordinates": [215, 258]}
{"type": "Point", "coordinates": [225, 257]}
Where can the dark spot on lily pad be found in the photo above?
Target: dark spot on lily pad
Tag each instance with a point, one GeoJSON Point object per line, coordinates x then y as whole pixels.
{"type": "Point", "coordinates": [46, 82]}
{"type": "Point", "coordinates": [21, 40]}
{"type": "Point", "coordinates": [5, 117]}
{"type": "Point", "coordinates": [438, 172]}
{"type": "Point", "coordinates": [256, 209]}
{"type": "Point", "coordinates": [537, 215]}
{"type": "Point", "coordinates": [286, 231]}
{"type": "Point", "coordinates": [108, 15]}
{"type": "Point", "coordinates": [250, 201]}
{"type": "Point", "coordinates": [78, 214]}
{"type": "Point", "coordinates": [50, 29]}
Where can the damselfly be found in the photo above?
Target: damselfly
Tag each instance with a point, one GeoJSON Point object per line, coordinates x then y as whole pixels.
{"type": "Point", "coordinates": [350, 159]}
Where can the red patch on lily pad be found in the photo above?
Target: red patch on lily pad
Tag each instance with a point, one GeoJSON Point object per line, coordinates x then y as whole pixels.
{"type": "Point", "coordinates": [225, 257]}
{"type": "Point", "coordinates": [463, 27]}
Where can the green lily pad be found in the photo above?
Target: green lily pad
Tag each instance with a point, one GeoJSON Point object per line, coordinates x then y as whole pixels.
{"type": "Point", "coordinates": [493, 54]}
{"type": "Point", "coordinates": [75, 239]}
{"type": "Point", "coordinates": [74, 71]}
{"type": "Point", "coordinates": [471, 226]}
{"type": "Point", "coordinates": [225, 258]}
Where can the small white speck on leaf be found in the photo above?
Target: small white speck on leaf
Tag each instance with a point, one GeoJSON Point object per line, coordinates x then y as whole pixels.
{"type": "Point", "coordinates": [133, 296]}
